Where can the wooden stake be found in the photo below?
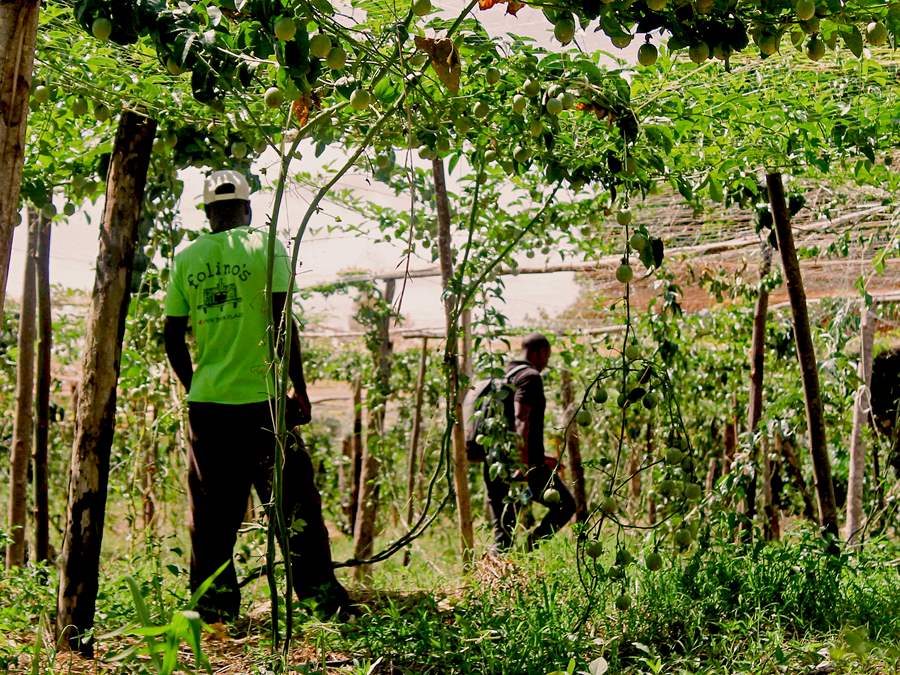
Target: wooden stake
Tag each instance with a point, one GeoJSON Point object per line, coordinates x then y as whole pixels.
{"type": "Point", "coordinates": [23, 422]}
{"type": "Point", "coordinates": [806, 355]}
{"type": "Point", "coordinates": [95, 420]}
{"type": "Point", "coordinates": [42, 395]}
{"type": "Point", "coordinates": [356, 452]}
{"type": "Point", "coordinates": [412, 470]}
{"type": "Point", "coordinates": [460, 461]}
{"type": "Point", "coordinates": [861, 409]}
{"type": "Point", "coordinates": [573, 446]}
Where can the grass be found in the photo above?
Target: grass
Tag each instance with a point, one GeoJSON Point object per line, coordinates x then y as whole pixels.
{"type": "Point", "coordinates": [722, 607]}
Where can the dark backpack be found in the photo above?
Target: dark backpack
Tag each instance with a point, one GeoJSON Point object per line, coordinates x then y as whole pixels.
{"type": "Point", "coordinates": [489, 412]}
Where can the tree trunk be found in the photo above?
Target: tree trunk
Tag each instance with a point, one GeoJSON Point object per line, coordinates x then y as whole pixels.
{"type": "Point", "coordinates": [451, 356]}
{"type": "Point", "coordinates": [94, 423]}
{"type": "Point", "coordinates": [468, 367]}
{"type": "Point", "coordinates": [23, 424]}
{"type": "Point", "coordinates": [757, 362]}
{"type": "Point", "coordinates": [42, 411]}
{"type": "Point", "coordinates": [18, 30]}
{"type": "Point", "coordinates": [861, 408]}
{"type": "Point", "coordinates": [818, 441]}
{"type": "Point", "coordinates": [367, 509]}
{"type": "Point", "coordinates": [730, 442]}
{"type": "Point", "coordinates": [573, 447]}
{"type": "Point", "coordinates": [412, 470]}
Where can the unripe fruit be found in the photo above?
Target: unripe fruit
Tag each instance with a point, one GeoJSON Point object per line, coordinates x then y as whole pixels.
{"type": "Point", "coordinates": [623, 217]}
{"type": "Point", "coordinates": [815, 49]}
{"type": "Point", "coordinates": [649, 400]}
{"type": "Point", "coordinates": [531, 88]}
{"type": "Point", "coordinates": [521, 154]}
{"type": "Point", "coordinates": [699, 53]}
{"type": "Point", "coordinates": [653, 561]}
{"type": "Point", "coordinates": [600, 395]}
{"type": "Point", "coordinates": [551, 496]}
{"type": "Point", "coordinates": [623, 603]}
{"type": "Point", "coordinates": [462, 125]}
{"type": "Point", "coordinates": [41, 94]}
{"type": "Point", "coordinates": [101, 28]}
{"type": "Point", "coordinates": [518, 103]}
{"type": "Point", "coordinates": [173, 66]}
{"type": "Point", "coordinates": [621, 41]}
{"type": "Point", "coordinates": [554, 106]}
{"type": "Point", "coordinates": [683, 537]}
{"type": "Point", "coordinates": [673, 456]}
{"type": "Point", "coordinates": [443, 146]}
{"type": "Point", "coordinates": [285, 29]}
{"type": "Point", "coordinates": [768, 44]}
{"type": "Point", "coordinates": [273, 97]}
{"type": "Point", "coordinates": [624, 274]}
{"type": "Point", "coordinates": [383, 162]}
{"type": "Point", "coordinates": [535, 127]}
{"type": "Point", "coordinates": [238, 150]}
{"type": "Point", "coordinates": [594, 549]}
{"type": "Point", "coordinates": [568, 100]}
{"type": "Point", "coordinates": [48, 210]}
{"type": "Point", "coordinates": [632, 352]}
{"type": "Point", "coordinates": [583, 418]}
{"type": "Point", "coordinates": [101, 112]}
{"type": "Point", "coordinates": [637, 241]}
{"type": "Point", "coordinates": [492, 75]}
{"type": "Point", "coordinates": [481, 110]}
{"type": "Point", "coordinates": [647, 54]}
{"type": "Point", "coordinates": [692, 491]}
{"type": "Point", "coordinates": [360, 99]}
{"type": "Point", "coordinates": [564, 31]}
{"type": "Point", "coordinates": [426, 153]}
{"type": "Point", "coordinates": [79, 106]}
{"type": "Point", "coordinates": [624, 557]}
{"type": "Point", "coordinates": [806, 9]}
{"type": "Point", "coordinates": [490, 156]}
{"type": "Point", "coordinates": [69, 209]}
{"type": "Point", "coordinates": [320, 45]}
{"type": "Point", "coordinates": [811, 26]}
{"type": "Point", "coordinates": [609, 505]}
{"type": "Point", "coordinates": [336, 59]}
{"type": "Point", "coordinates": [656, 5]}
{"type": "Point", "coordinates": [421, 7]}
{"type": "Point", "coordinates": [876, 33]}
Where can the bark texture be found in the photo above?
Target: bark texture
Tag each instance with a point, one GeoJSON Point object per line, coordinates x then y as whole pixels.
{"type": "Point", "coordinates": [861, 410]}
{"type": "Point", "coordinates": [367, 509]}
{"type": "Point", "coordinates": [573, 447]}
{"type": "Point", "coordinates": [23, 422]}
{"type": "Point", "coordinates": [95, 417]}
{"type": "Point", "coordinates": [18, 30]}
{"type": "Point", "coordinates": [806, 355]}
{"type": "Point", "coordinates": [460, 461]}
{"type": "Point", "coordinates": [412, 468]}
{"type": "Point", "coordinates": [44, 380]}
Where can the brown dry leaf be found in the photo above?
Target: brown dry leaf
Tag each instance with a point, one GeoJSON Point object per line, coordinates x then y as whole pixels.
{"type": "Point", "coordinates": [300, 109]}
{"type": "Point", "coordinates": [444, 59]}
{"type": "Point", "coordinates": [598, 110]}
{"type": "Point", "coordinates": [512, 6]}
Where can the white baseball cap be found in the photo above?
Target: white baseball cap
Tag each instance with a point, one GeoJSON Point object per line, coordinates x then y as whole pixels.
{"type": "Point", "coordinates": [224, 185]}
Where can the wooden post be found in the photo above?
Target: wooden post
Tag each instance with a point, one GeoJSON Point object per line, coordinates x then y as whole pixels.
{"type": "Point", "coordinates": [573, 446]}
{"type": "Point", "coordinates": [94, 423]}
{"type": "Point", "coordinates": [18, 31]}
{"type": "Point", "coordinates": [356, 452]}
{"type": "Point", "coordinates": [806, 355]}
{"type": "Point", "coordinates": [757, 363]}
{"type": "Point", "coordinates": [861, 410]}
{"type": "Point", "coordinates": [451, 357]}
{"type": "Point", "coordinates": [376, 399]}
{"type": "Point", "coordinates": [42, 409]}
{"type": "Point", "coordinates": [23, 423]}
{"type": "Point", "coordinates": [412, 470]}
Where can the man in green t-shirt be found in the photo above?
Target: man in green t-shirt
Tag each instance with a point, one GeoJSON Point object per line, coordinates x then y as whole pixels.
{"type": "Point", "coordinates": [218, 285]}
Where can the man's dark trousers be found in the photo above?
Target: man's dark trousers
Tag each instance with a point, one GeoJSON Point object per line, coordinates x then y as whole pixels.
{"type": "Point", "coordinates": [504, 513]}
{"type": "Point", "coordinates": [232, 449]}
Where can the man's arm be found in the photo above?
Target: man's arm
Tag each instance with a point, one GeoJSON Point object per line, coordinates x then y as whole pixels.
{"type": "Point", "coordinates": [523, 427]}
{"type": "Point", "coordinates": [174, 333]}
{"type": "Point", "coordinates": [295, 366]}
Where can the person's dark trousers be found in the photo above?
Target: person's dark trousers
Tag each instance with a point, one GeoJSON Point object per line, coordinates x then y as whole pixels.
{"type": "Point", "coordinates": [232, 448]}
{"type": "Point", "coordinates": [504, 513]}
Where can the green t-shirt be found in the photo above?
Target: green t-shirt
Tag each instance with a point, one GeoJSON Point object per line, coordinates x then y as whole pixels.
{"type": "Point", "coordinates": [219, 281]}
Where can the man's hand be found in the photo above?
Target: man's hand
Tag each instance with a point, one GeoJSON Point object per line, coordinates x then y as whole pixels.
{"type": "Point", "coordinates": [299, 409]}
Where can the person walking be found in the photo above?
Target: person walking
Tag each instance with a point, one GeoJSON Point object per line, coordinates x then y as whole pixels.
{"type": "Point", "coordinates": [537, 471]}
{"type": "Point", "coordinates": [218, 287]}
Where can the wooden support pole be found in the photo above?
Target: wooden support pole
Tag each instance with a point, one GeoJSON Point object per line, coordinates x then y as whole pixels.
{"type": "Point", "coordinates": [23, 422]}
{"type": "Point", "coordinates": [573, 446]}
{"type": "Point", "coordinates": [42, 394]}
{"type": "Point", "coordinates": [412, 470]}
{"type": "Point", "coordinates": [806, 355]}
{"type": "Point", "coordinates": [95, 419]}
{"type": "Point", "coordinates": [451, 356]}
{"type": "Point", "coordinates": [861, 409]}
{"type": "Point", "coordinates": [356, 452]}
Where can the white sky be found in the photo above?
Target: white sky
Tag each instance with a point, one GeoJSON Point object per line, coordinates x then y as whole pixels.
{"type": "Point", "coordinates": [323, 255]}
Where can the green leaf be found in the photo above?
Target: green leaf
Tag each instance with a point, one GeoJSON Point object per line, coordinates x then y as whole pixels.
{"type": "Point", "coordinates": [854, 41]}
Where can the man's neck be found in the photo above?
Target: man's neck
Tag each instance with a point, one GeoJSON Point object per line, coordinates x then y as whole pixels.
{"type": "Point", "coordinates": [225, 229]}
